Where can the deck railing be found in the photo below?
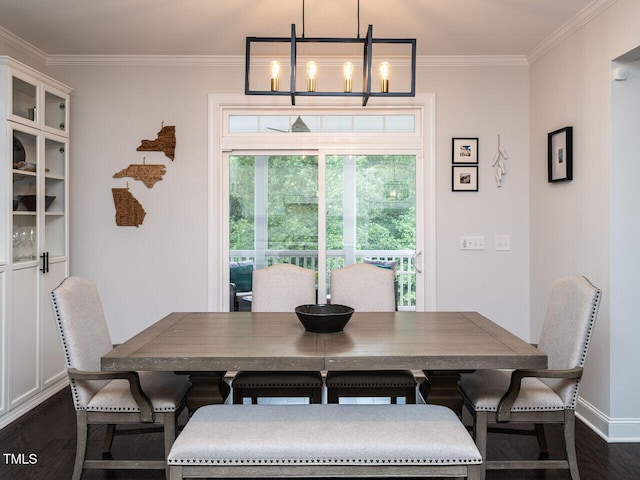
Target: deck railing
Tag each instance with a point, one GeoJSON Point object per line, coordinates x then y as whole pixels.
{"type": "Point", "coordinates": [405, 270]}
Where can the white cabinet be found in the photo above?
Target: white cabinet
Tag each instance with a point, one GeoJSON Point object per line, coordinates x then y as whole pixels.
{"type": "Point", "coordinates": [3, 398]}
{"type": "Point", "coordinates": [34, 229]}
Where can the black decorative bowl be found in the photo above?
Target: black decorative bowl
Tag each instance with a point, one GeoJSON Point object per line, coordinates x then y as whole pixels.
{"type": "Point", "coordinates": [324, 318]}
{"type": "Point", "coordinates": [29, 202]}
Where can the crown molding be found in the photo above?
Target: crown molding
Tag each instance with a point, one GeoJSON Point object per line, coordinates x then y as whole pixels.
{"type": "Point", "coordinates": [19, 44]}
{"type": "Point", "coordinates": [148, 60]}
{"type": "Point", "coordinates": [472, 61]}
{"type": "Point", "coordinates": [583, 17]}
{"type": "Point", "coordinates": [238, 60]}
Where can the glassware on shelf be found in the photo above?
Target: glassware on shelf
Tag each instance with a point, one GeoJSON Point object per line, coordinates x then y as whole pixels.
{"type": "Point", "coordinates": [24, 243]}
{"type": "Point", "coordinates": [32, 243]}
{"type": "Point", "coordinates": [16, 244]}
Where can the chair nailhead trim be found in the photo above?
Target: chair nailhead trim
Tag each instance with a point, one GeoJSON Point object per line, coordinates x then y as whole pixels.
{"type": "Point", "coordinates": [519, 409]}
{"type": "Point", "coordinates": [266, 461]}
{"type": "Point", "coordinates": [268, 385]}
{"type": "Point", "coordinates": [125, 409]}
{"type": "Point", "coordinates": [371, 384]}
{"type": "Point", "coordinates": [65, 348]}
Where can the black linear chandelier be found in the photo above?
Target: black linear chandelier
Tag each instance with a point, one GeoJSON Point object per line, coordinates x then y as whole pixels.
{"type": "Point", "coordinates": [312, 86]}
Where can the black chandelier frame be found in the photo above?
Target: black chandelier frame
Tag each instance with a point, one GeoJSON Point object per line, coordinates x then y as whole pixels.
{"type": "Point", "coordinates": [367, 44]}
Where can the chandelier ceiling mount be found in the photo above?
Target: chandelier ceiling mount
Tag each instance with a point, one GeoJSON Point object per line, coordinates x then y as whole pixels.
{"type": "Point", "coordinates": [313, 85]}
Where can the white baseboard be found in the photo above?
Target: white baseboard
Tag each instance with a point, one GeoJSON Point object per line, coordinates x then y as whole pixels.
{"type": "Point", "coordinates": [15, 413]}
{"type": "Point", "coordinates": [612, 430]}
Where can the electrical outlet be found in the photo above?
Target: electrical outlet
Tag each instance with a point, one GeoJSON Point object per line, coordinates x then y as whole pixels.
{"type": "Point", "coordinates": [471, 243]}
{"type": "Point", "coordinates": [503, 242]}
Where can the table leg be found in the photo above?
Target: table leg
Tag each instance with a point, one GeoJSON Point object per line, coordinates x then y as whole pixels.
{"type": "Point", "coordinates": [207, 388]}
{"type": "Point", "coordinates": [441, 388]}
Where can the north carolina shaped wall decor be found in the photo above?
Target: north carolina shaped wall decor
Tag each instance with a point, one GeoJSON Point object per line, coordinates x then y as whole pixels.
{"type": "Point", "coordinates": [147, 174]}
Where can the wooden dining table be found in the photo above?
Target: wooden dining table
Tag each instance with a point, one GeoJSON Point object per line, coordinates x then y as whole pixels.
{"type": "Point", "coordinates": [206, 345]}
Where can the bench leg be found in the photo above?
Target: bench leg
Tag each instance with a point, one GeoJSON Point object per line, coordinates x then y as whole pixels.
{"type": "Point", "coordinates": [475, 472]}
{"type": "Point", "coordinates": [480, 421]}
{"type": "Point", "coordinates": [175, 472]}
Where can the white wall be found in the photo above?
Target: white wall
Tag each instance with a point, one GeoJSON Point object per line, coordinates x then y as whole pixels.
{"type": "Point", "coordinates": [571, 85]}
{"type": "Point", "coordinates": [484, 102]}
{"type": "Point", "coordinates": [625, 255]}
{"type": "Point", "coordinates": [146, 272]}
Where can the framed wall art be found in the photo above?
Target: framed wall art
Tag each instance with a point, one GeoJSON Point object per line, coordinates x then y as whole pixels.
{"type": "Point", "coordinates": [464, 178]}
{"type": "Point", "coordinates": [464, 150]}
{"type": "Point", "coordinates": [560, 155]}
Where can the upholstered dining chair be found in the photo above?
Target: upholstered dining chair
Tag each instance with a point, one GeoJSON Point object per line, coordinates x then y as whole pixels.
{"type": "Point", "coordinates": [539, 397]}
{"type": "Point", "coordinates": [110, 398]}
{"type": "Point", "coordinates": [280, 288]}
{"type": "Point", "coordinates": [367, 288]}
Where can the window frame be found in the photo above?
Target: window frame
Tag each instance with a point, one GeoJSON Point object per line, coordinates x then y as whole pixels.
{"type": "Point", "coordinates": [222, 142]}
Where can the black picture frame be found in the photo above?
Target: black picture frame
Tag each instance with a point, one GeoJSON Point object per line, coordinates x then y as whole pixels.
{"type": "Point", "coordinates": [464, 150]}
{"type": "Point", "coordinates": [464, 178]}
{"type": "Point", "coordinates": [560, 155]}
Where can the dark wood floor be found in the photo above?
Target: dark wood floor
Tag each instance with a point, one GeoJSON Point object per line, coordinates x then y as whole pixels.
{"type": "Point", "coordinates": [48, 432]}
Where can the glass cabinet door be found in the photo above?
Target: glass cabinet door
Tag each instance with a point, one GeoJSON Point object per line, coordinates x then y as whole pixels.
{"type": "Point", "coordinates": [39, 194]}
{"type": "Point", "coordinates": [55, 112]}
{"type": "Point", "coordinates": [55, 166]}
{"type": "Point", "coordinates": [35, 104]}
{"type": "Point", "coordinates": [24, 195]}
{"type": "Point", "coordinates": [24, 99]}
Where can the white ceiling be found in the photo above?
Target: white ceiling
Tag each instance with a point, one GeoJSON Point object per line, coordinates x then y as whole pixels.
{"type": "Point", "coordinates": [219, 27]}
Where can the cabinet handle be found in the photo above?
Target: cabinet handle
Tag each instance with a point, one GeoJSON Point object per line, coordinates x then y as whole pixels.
{"type": "Point", "coordinates": [45, 262]}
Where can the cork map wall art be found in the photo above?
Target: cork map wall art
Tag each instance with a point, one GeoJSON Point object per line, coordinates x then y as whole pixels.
{"type": "Point", "coordinates": [165, 142]}
{"type": "Point", "coordinates": [129, 211]}
{"type": "Point", "coordinates": [147, 174]}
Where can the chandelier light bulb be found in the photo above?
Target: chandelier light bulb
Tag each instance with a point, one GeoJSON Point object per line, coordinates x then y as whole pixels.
{"type": "Point", "coordinates": [384, 75]}
{"type": "Point", "coordinates": [348, 72]}
{"type": "Point", "coordinates": [312, 69]}
{"type": "Point", "coordinates": [275, 72]}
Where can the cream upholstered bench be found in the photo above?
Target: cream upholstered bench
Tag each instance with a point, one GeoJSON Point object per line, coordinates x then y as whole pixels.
{"type": "Point", "coordinates": [324, 441]}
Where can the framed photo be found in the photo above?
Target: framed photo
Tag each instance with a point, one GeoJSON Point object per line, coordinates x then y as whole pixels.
{"type": "Point", "coordinates": [560, 155]}
{"type": "Point", "coordinates": [464, 178]}
{"type": "Point", "coordinates": [464, 150]}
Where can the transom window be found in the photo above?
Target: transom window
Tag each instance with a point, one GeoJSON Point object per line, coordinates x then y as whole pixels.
{"type": "Point", "coordinates": [242, 123]}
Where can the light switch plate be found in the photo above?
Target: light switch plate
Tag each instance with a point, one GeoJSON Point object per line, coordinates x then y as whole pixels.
{"type": "Point", "coordinates": [503, 242]}
{"type": "Point", "coordinates": [471, 243]}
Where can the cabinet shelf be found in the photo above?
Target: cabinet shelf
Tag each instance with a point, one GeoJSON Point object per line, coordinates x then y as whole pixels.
{"type": "Point", "coordinates": [53, 177]}
{"type": "Point", "coordinates": [25, 173]}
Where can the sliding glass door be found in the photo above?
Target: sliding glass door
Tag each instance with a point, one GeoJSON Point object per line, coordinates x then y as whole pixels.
{"type": "Point", "coordinates": [371, 216]}
{"type": "Point", "coordinates": [324, 210]}
{"type": "Point", "coordinates": [273, 209]}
